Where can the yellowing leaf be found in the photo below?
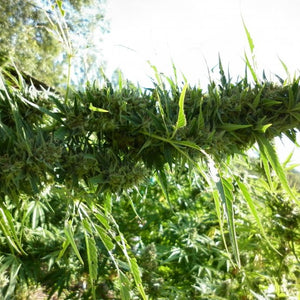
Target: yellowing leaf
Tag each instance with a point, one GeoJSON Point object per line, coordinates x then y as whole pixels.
{"type": "Point", "coordinates": [93, 108]}
{"type": "Point", "coordinates": [181, 121]}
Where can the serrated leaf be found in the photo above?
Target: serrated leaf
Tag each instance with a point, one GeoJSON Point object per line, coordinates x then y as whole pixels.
{"type": "Point", "coordinates": [70, 238]}
{"type": "Point", "coordinates": [103, 220]}
{"type": "Point", "coordinates": [124, 286]}
{"type": "Point", "coordinates": [106, 240]}
{"type": "Point", "coordinates": [137, 277]}
{"type": "Point", "coordinates": [91, 251]}
{"type": "Point", "coordinates": [218, 196]}
{"type": "Point", "coordinates": [107, 205]}
{"type": "Point", "coordinates": [225, 189]}
{"type": "Point", "coordinates": [253, 210]}
{"type": "Point", "coordinates": [133, 267]}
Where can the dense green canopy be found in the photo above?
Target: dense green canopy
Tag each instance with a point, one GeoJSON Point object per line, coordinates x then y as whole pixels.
{"type": "Point", "coordinates": [76, 155]}
{"type": "Point", "coordinates": [86, 173]}
{"type": "Point", "coordinates": [111, 138]}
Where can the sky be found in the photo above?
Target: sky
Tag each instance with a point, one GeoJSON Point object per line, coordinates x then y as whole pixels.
{"type": "Point", "coordinates": [192, 33]}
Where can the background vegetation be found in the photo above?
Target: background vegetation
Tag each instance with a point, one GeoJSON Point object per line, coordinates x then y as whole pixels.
{"type": "Point", "coordinates": [33, 36]}
{"type": "Point", "coordinates": [114, 192]}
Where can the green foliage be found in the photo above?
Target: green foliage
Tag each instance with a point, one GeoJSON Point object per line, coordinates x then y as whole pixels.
{"type": "Point", "coordinates": [95, 182]}
{"type": "Point", "coordinates": [79, 143]}
{"type": "Point", "coordinates": [181, 253]}
{"type": "Point", "coordinates": [75, 237]}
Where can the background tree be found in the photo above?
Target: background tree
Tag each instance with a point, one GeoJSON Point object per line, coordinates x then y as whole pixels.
{"type": "Point", "coordinates": [26, 36]}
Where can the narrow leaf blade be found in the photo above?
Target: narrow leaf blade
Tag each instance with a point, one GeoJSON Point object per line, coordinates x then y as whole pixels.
{"type": "Point", "coordinates": [253, 210]}
{"type": "Point", "coordinates": [93, 108]}
{"type": "Point", "coordinates": [269, 152]}
{"type": "Point", "coordinates": [181, 120]}
{"type": "Point", "coordinates": [70, 237]}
